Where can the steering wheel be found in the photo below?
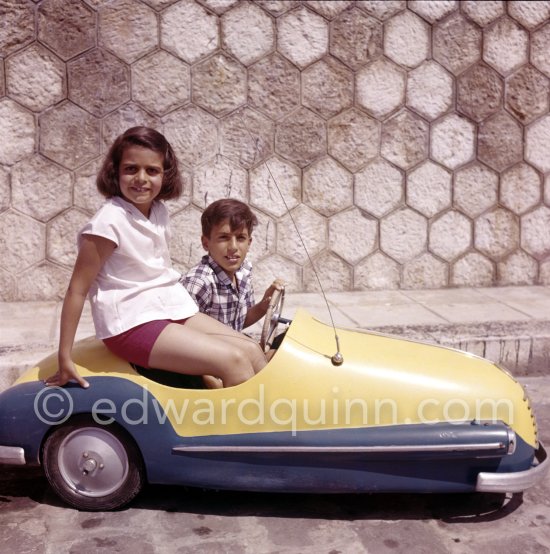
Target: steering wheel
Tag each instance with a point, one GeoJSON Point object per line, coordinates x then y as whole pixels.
{"type": "Point", "coordinates": [272, 318]}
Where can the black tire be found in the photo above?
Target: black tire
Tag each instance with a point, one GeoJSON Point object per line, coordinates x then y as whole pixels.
{"type": "Point", "coordinates": [92, 466]}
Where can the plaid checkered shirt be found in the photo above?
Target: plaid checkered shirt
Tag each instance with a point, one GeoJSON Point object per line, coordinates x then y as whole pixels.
{"type": "Point", "coordinates": [212, 290]}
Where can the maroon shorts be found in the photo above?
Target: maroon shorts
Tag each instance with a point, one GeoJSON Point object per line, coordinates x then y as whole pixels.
{"type": "Point", "coordinates": [135, 345]}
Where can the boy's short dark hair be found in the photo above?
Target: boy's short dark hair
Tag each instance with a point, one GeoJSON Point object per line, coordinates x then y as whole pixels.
{"type": "Point", "coordinates": [107, 178]}
{"type": "Point", "coordinates": [236, 212]}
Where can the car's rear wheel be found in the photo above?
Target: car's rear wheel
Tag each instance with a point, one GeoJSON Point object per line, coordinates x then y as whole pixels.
{"type": "Point", "coordinates": [93, 466]}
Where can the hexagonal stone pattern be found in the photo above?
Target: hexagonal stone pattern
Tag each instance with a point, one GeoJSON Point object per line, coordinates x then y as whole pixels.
{"type": "Point", "coordinates": [35, 78]}
{"type": "Point", "coordinates": [433, 11]}
{"type": "Point", "coordinates": [328, 187]}
{"type": "Point", "coordinates": [185, 243]}
{"type": "Point", "coordinates": [23, 241]}
{"type": "Point", "coordinates": [302, 36]}
{"type": "Point", "coordinates": [382, 10]}
{"type": "Point", "coordinates": [68, 27]}
{"type": "Point", "coordinates": [18, 124]}
{"type": "Point", "coordinates": [329, 9]}
{"type": "Point", "coordinates": [69, 135]}
{"type": "Point", "coordinates": [483, 13]}
{"type": "Point", "coordinates": [221, 179]}
{"type": "Point", "coordinates": [377, 272]}
{"type": "Point", "coordinates": [430, 90]}
{"type": "Point", "coordinates": [500, 142]}
{"type": "Point", "coordinates": [193, 134]}
{"type": "Point", "coordinates": [353, 138]}
{"type": "Point", "coordinates": [332, 271]}
{"type": "Point", "coordinates": [505, 46]}
{"type": "Point", "coordinates": [497, 233]}
{"type": "Point", "coordinates": [98, 82]}
{"type": "Point", "coordinates": [381, 87]}
{"type": "Point", "coordinates": [407, 39]}
{"type": "Point", "coordinates": [275, 186]}
{"type": "Point", "coordinates": [274, 86]}
{"type": "Point", "coordinates": [247, 137]}
{"type": "Point", "coordinates": [450, 235]}
{"type": "Point", "coordinates": [537, 145]}
{"type": "Point", "coordinates": [327, 87]}
{"type": "Point", "coordinates": [473, 270]}
{"type": "Point", "coordinates": [379, 188]}
{"type": "Point", "coordinates": [381, 122]}
{"type": "Point", "coordinates": [403, 235]}
{"type": "Point", "coordinates": [517, 269]}
{"type": "Point", "coordinates": [263, 238]}
{"type": "Point", "coordinates": [219, 84]}
{"type": "Point", "coordinates": [301, 137]}
{"type": "Point", "coordinates": [173, 82]}
{"type": "Point", "coordinates": [86, 195]}
{"type": "Point", "coordinates": [456, 43]}
{"type": "Point", "coordinates": [355, 38]}
{"type": "Point", "coordinates": [528, 13]}
{"type": "Point", "coordinates": [43, 281]}
{"type": "Point", "coordinates": [453, 141]}
{"type": "Point", "coordinates": [352, 234]}
{"type": "Point", "coordinates": [17, 28]}
{"type": "Point", "coordinates": [527, 94]}
{"type": "Point", "coordinates": [479, 92]}
{"type": "Point", "coordinates": [429, 189]}
{"type": "Point", "coordinates": [189, 31]}
{"type": "Point", "coordinates": [51, 193]}
{"type": "Point", "coordinates": [476, 189]}
{"type": "Point", "coordinates": [128, 29]}
{"type": "Point", "coordinates": [125, 117]}
{"type": "Point", "coordinates": [277, 266]}
{"type": "Point", "coordinates": [425, 272]}
{"type": "Point", "coordinates": [62, 246]}
{"type": "Point", "coordinates": [520, 188]}
{"type": "Point", "coordinates": [248, 33]}
{"type": "Point", "coordinates": [405, 139]}
{"type": "Point", "coordinates": [311, 228]}
{"type": "Point", "coordinates": [540, 44]}
{"type": "Point", "coordinates": [4, 189]}
{"type": "Point", "coordinates": [535, 238]}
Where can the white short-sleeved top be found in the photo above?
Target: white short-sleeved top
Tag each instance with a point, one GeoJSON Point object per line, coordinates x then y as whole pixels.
{"type": "Point", "coordinates": [137, 283]}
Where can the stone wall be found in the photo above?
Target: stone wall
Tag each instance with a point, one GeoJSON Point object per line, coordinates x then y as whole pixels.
{"type": "Point", "coordinates": [409, 140]}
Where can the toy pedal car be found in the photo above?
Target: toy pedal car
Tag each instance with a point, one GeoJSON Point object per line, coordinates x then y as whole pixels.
{"type": "Point", "coordinates": [387, 415]}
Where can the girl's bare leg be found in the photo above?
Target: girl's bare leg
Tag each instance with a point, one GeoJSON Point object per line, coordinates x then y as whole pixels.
{"type": "Point", "coordinates": [205, 346]}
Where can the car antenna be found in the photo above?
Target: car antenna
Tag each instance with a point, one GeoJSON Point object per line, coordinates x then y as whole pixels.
{"type": "Point", "coordinates": [337, 359]}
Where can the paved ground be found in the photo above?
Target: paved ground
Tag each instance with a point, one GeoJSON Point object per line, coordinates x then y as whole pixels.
{"type": "Point", "coordinates": [176, 519]}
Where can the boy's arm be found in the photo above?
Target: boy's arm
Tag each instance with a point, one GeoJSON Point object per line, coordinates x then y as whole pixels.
{"type": "Point", "coordinates": [199, 289]}
{"type": "Point", "coordinates": [256, 312]}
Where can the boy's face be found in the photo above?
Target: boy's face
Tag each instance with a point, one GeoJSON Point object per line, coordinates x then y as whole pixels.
{"type": "Point", "coordinates": [228, 248]}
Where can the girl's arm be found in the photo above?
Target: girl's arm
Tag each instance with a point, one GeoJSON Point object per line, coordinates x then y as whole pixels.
{"type": "Point", "coordinates": [93, 252]}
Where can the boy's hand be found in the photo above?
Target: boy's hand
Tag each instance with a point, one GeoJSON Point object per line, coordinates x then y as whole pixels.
{"type": "Point", "coordinates": [278, 284]}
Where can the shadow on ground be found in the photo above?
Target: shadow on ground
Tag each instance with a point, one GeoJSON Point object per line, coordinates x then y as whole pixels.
{"type": "Point", "coordinates": [22, 488]}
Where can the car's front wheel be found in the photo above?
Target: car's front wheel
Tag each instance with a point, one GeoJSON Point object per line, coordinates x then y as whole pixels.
{"type": "Point", "coordinates": [93, 466]}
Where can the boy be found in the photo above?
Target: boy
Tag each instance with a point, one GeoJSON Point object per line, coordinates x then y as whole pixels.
{"type": "Point", "coordinates": [221, 284]}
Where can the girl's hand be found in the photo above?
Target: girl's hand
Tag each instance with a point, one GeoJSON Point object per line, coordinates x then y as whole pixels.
{"type": "Point", "coordinates": [66, 373]}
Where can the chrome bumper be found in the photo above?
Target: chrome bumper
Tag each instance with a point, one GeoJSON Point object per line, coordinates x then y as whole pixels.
{"type": "Point", "coordinates": [12, 455]}
{"type": "Point", "coordinates": [518, 481]}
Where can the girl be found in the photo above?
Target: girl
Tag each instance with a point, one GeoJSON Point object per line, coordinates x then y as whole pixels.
{"type": "Point", "coordinates": [139, 309]}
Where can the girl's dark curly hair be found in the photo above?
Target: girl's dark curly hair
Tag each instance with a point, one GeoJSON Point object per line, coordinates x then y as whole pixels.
{"type": "Point", "coordinates": [107, 178]}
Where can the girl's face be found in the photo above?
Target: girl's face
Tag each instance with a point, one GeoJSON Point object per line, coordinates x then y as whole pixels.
{"type": "Point", "coordinates": [140, 176]}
